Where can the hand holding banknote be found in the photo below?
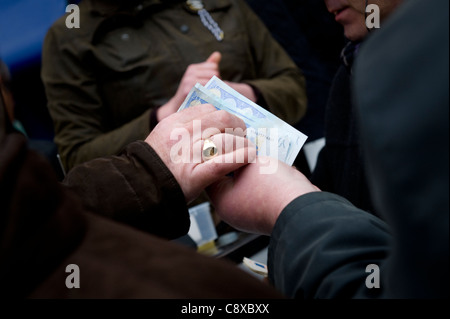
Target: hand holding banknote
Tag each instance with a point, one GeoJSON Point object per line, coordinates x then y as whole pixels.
{"type": "Point", "coordinates": [272, 136]}
{"type": "Point", "coordinates": [179, 144]}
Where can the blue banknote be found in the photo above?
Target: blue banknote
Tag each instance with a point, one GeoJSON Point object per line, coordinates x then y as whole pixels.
{"type": "Point", "coordinates": [272, 136]}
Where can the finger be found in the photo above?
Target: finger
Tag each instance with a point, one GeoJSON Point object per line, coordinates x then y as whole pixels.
{"type": "Point", "coordinates": [210, 171]}
{"type": "Point", "coordinates": [215, 57]}
{"type": "Point", "coordinates": [205, 80]}
{"type": "Point", "coordinates": [230, 144]}
{"type": "Point", "coordinates": [240, 155]}
{"type": "Point", "coordinates": [224, 147]}
{"type": "Point", "coordinates": [199, 71]}
{"type": "Point", "coordinates": [208, 132]}
{"type": "Point", "coordinates": [195, 112]}
{"type": "Point", "coordinates": [221, 120]}
{"type": "Point", "coordinates": [203, 70]}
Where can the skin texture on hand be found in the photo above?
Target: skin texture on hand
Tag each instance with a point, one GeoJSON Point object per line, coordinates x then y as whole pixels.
{"type": "Point", "coordinates": [186, 131]}
{"type": "Point", "coordinates": [251, 201]}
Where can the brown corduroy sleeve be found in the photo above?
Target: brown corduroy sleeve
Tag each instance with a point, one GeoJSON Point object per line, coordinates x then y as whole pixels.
{"type": "Point", "coordinates": [134, 188]}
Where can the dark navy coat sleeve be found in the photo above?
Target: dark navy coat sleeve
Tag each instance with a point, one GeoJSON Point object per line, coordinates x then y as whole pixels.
{"type": "Point", "coordinates": [322, 245]}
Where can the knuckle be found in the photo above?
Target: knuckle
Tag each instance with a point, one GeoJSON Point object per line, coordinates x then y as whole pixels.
{"type": "Point", "coordinates": [209, 107]}
{"type": "Point", "coordinates": [225, 118]}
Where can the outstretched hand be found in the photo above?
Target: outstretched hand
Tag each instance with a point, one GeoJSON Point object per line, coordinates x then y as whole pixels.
{"type": "Point", "coordinates": [251, 201]}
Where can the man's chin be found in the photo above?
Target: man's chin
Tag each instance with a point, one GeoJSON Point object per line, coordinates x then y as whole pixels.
{"type": "Point", "coordinates": [356, 35]}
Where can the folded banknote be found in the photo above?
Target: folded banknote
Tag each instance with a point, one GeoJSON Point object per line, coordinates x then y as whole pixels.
{"type": "Point", "coordinates": [272, 136]}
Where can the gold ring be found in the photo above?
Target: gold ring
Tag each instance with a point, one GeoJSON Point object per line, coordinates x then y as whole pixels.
{"type": "Point", "coordinates": [209, 149]}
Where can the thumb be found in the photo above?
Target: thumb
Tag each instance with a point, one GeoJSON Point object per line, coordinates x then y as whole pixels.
{"type": "Point", "coordinates": [215, 57]}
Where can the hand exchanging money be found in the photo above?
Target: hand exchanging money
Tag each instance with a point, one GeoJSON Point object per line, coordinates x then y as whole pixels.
{"type": "Point", "coordinates": [272, 136]}
{"type": "Point", "coordinates": [194, 130]}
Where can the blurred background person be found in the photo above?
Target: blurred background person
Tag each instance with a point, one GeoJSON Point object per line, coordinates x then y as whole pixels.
{"type": "Point", "coordinates": [314, 41]}
{"type": "Point", "coordinates": [43, 146]}
{"type": "Point", "coordinates": [322, 246]}
{"type": "Point", "coordinates": [340, 167]}
{"type": "Point", "coordinates": [5, 90]}
{"type": "Point", "coordinates": [132, 63]}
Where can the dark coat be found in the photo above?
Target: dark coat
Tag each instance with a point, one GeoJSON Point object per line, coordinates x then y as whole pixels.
{"type": "Point", "coordinates": [322, 244]}
{"type": "Point", "coordinates": [340, 165]}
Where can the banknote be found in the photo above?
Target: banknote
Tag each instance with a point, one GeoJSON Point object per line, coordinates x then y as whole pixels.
{"type": "Point", "coordinates": [272, 136]}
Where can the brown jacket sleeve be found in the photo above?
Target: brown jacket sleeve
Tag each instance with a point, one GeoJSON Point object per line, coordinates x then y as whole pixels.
{"type": "Point", "coordinates": [134, 188]}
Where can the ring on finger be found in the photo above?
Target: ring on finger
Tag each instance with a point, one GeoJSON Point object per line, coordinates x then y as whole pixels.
{"type": "Point", "coordinates": [209, 149]}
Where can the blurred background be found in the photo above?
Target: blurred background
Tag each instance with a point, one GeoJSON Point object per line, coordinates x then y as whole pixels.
{"type": "Point", "coordinates": [303, 27]}
{"type": "Point", "coordinates": [23, 26]}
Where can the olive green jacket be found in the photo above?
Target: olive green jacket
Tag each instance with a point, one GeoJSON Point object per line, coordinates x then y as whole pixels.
{"type": "Point", "coordinates": [103, 79]}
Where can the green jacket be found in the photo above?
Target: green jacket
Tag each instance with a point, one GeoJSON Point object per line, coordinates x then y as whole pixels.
{"type": "Point", "coordinates": [104, 79]}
